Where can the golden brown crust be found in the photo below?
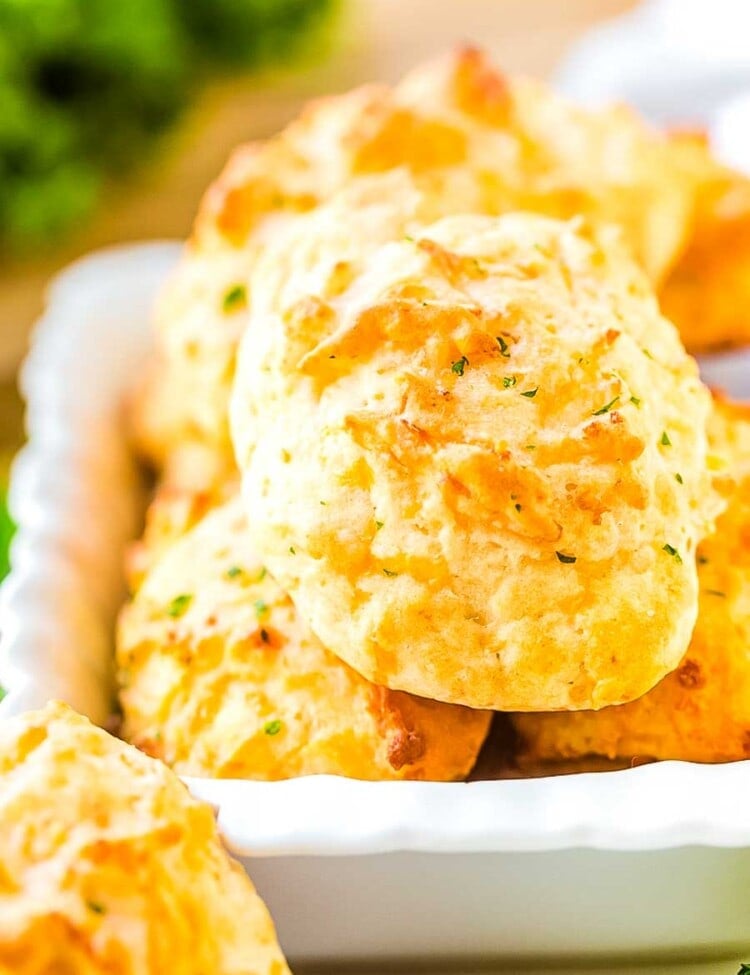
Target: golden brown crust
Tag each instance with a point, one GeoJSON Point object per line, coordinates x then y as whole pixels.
{"type": "Point", "coordinates": [701, 712]}
{"type": "Point", "coordinates": [227, 681]}
{"type": "Point", "coordinates": [108, 866]}
{"type": "Point", "coordinates": [503, 398]}
{"type": "Point", "coordinates": [473, 140]}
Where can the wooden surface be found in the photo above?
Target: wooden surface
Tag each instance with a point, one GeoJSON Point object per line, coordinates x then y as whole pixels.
{"type": "Point", "coordinates": [378, 39]}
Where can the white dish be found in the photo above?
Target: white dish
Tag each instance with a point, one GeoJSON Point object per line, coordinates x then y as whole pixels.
{"type": "Point", "coordinates": [510, 868]}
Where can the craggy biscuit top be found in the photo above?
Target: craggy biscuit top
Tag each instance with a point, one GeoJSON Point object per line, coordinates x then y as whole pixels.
{"type": "Point", "coordinates": [107, 865]}
{"type": "Point", "coordinates": [221, 677]}
{"type": "Point", "coordinates": [473, 140]}
{"type": "Point", "coordinates": [701, 711]}
{"type": "Point", "coordinates": [476, 455]}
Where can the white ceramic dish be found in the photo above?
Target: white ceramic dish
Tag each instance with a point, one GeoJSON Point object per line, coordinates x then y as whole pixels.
{"type": "Point", "coordinates": [597, 864]}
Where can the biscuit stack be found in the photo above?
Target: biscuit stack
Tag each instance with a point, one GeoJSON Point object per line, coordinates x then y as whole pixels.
{"type": "Point", "coordinates": [429, 445]}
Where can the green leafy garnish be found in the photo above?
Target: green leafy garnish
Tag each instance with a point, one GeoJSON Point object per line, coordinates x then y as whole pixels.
{"type": "Point", "coordinates": [179, 605]}
{"type": "Point", "coordinates": [379, 524]}
{"type": "Point", "coordinates": [233, 571]}
{"type": "Point", "coordinates": [261, 608]}
{"type": "Point", "coordinates": [716, 592]}
{"type": "Point", "coordinates": [272, 727]}
{"type": "Point", "coordinates": [389, 572]}
{"type": "Point", "coordinates": [292, 550]}
{"type": "Point", "coordinates": [530, 393]}
{"type": "Point", "coordinates": [504, 348]}
{"type": "Point", "coordinates": [566, 559]}
{"type": "Point", "coordinates": [96, 907]}
{"type": "Point", "coordinates": [671, 550]}
{"type": "Point", "coordinates": [3, 693]}
{"type": "Point", "coordinates": [606, 408]}
{"type": "Point", "coordinates": [235, 298]}
{"type": "Point", "coordinates": [459, 365]}
{"type": "Point", "coordinates": [635, 401]}
{"type": "Point", "coordinates": [665, 441]}
{"type": "Point", "coordinates": [678, 478]}
{"type": "Point", "coordinates": [509, 381]}
{"type": "Point", "coordinates": [262, 573]}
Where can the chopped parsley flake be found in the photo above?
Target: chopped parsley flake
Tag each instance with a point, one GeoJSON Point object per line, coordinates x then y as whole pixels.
{"type": "Point", "coordinates": [324, 503]}
{"type": "Point", "coordinates": [566, 559]}
{"type": "Point", "coordinates": [234, 571]}
{"type": "Point", "coordinates": [504, 349]}
{"type": "Point", "coordinates": [410, 239]}
{"type": "Point", "coordinates": [635, 401]}
{"type": "Point", "coordinates": [665, 441]}
{"type": "Point", "coordinates": [716, 592]}
{"type": "Point", "coordinates": [179, 605]}
{"type": "Point", "coordinates": [459, 365]}
{"type": "Point", "coordinates": [647, 354]}
{"type": "Point", "coordinates": [261, 608]}
{"type": "Point", "coordinates": [235, 298]}
{"type": "Point", "coordinates": [379, 524]}
{"type": "Point", "coordinates": [671, 550]}
{"type": "Point", "coordinates": [96, 907]}
{"type": "Point", "coordinates": [606, 408]}
{"type": "Point", "coordinates": [262, 573]}
{"type": "Point", "coordinates": [509, 381]}
{"type": "Point", "coordinates": [678, 478]}
{"type": "Point", "coordinates": [292, 550]}
{"type": "Point", "coordinates": [389, 572]}
{"type": "Point", "coordinates": [272, 727]}
{"type": "Point", "coordinates": [3, 692]}
{"type": "Point", "coordinates": [530, 393]}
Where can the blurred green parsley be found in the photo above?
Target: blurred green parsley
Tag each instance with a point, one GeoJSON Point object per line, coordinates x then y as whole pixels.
{"type": "Point", "coordinates": [86, 84]}
{"type": "Point", "coordinates": [6, 533]}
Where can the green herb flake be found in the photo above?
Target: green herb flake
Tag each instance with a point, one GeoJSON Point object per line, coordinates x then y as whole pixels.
{"type": "Point", "coordinates": [261, 608]}
{"type": "Point", "coordinates": [530, 393]}
{"type": "Point", "coordinates": [509, 381]}
{"type": "Point", "coordinates": [390, 573]}
{"type": "Point", "coordinates": [671, 550]}
{"type": "Point", "coordinates": [665, 441]}
{"type": "Point", "coordinates": [292, 550]}
{"type": "Point", "coordinates": [379, 524]}
{"type": "Point", "coordinates": [678, 478]}
{"type": "Point", "coordinates": [744, 969]}
{"type": "Point", "coordinates": [179, 605]}
{"type": "Point", "coordinates": [3, 693]}
{"type": "Point", "coordinates": [235, 298]}
{"type": "Point", "coordinates": [410, 239]}
{"type": "Point", "coordinates": [606, 408]}
{"type": "Point", "coordinates": [324, 503]}
{"type": "Point", "coordinates": [95, 907]}
{"type": "Point", "coordinates": [503, 345]}
{"type": "Point", "coordinates": [647, 354]}
{"type": "Point", "coordinates": [566, 559]}
{"type": "Point", "coordinates": [635, 400]}
{"type": "Point", "coordinates": [233, 571]}
{"type": "Point", "coordinates": [459, 365]}
{"type": "Point", "coordinates": [716, 592]}
{"type": "Point", "coordinates": [272, 728]}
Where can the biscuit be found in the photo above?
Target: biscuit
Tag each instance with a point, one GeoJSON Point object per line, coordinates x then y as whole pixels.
{"type": "Point", "coordinates": [109, 866]}
{"type": "Point", "coordinates": [220, 677]}
{"type": "Point", "coordinates": [701, 711]}
{"type": "Point", "coordinates": [461, 450]}
{"type": "Point", "coordinates": [474, 140]}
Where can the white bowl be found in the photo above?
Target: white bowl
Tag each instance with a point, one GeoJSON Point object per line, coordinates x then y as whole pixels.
{"type": "Point", "coordinates": [648, 859]}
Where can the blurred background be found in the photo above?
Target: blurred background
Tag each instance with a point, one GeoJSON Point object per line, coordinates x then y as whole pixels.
{"type": "Point", "coordinates": [115, 116]}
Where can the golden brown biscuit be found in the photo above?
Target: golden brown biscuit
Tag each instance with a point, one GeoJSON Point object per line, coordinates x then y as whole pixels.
{"type": "Point", "coordinates": [708, 293]}
{"type": "Point", "coordinates": [473, 140]}
{"type": "Point", "coordinates": [196, 480]}
{"type": "Point", "coordinates": [461, 452]}
{"type": "Point", "coordinates": [107, 865]}
{"type": "Point", "coordinates": [222, 678]}
{"type": "Point", "coordinates": [701, 712]}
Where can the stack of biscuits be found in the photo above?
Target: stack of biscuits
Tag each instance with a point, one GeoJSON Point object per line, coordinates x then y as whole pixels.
{"type": "Point", "coordinates": [429, 443]}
